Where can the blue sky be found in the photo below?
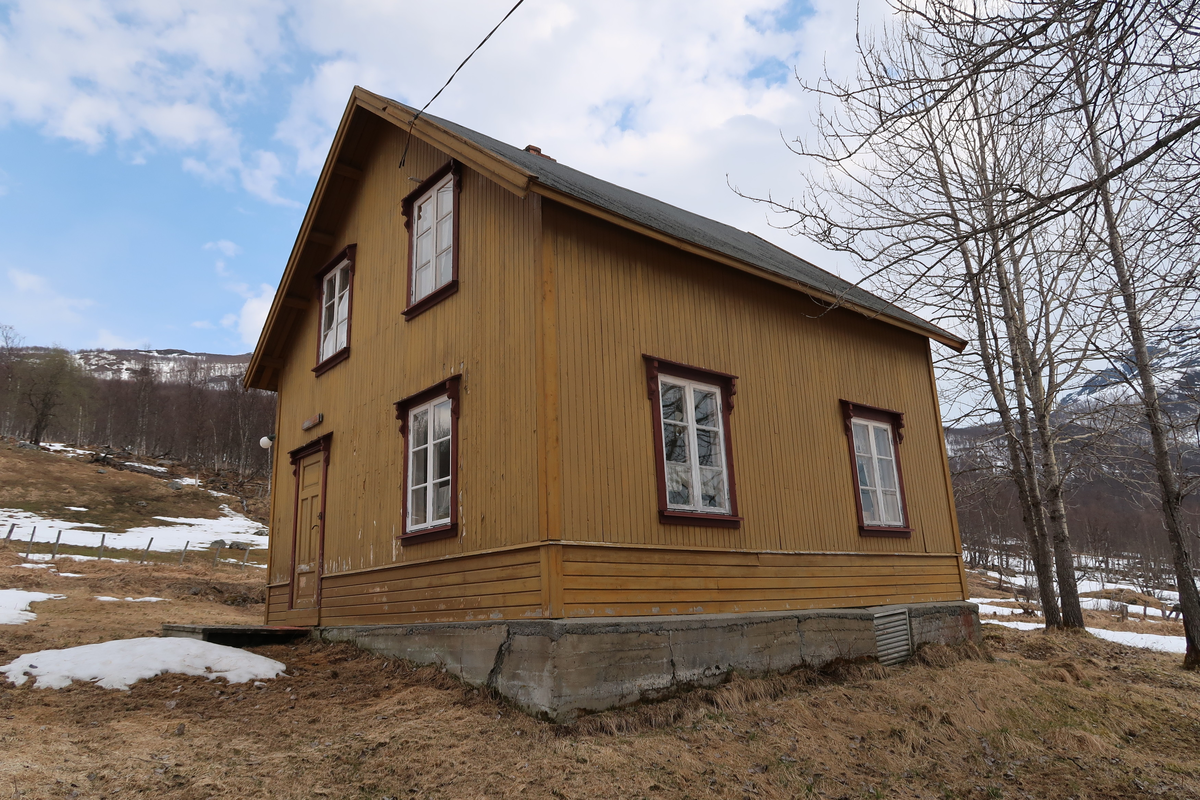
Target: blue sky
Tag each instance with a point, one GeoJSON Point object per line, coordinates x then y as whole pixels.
{"type": "Point", "coordinates": [156, 156]}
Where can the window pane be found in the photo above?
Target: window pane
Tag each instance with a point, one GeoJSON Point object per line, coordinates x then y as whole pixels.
{"type": "Point", "coordinates": [424, 210]}
{"type": "Point", "coordinates": [708, 448]}
{"type": "Point", "coordinates": [706, 408]}
{"type": "Point", "coordinates": [441, 459]}
{"type": "Point", "coordinates": [416, 507]}
{"type": "Point", "coordinates": [891, 508]}
{"type": "Point", "coordinates": [420, 468]}
{"type": "Point", "coordinates": [870, 515]}
{"type": "Point", "coordinates": [712, 489]}
{"type": "Point", "coordinates": [342, 331]}
{"type": "Point", "coordinates": [422, 283]}
{"type": "Point", "coordinates": [445, 233]}
{"type": "Point", "coordinates": [424, 250]}
{"type": "Point", "coordinates": [887, 473]}
{"type": "Point", "coordinates": [343, 308]}
{"type": "Point", "coordinates": [445, 200]}
{"type": "Point", "coordinates": [441, 420]}
{"type": "Point", "coordinates": [445, 268]}
{"type": "Point", "coordinates": [862, 438]}
{"type": "Point", "coordinates": [327, 322]}
{"type": "Point", "coordinates": [441, 501]}
{"type": "Point", "coordinates": [679, 485]}
{"type": "Point", "coordinates": [327, 348]}
{"type": "Point", "coordinates": [865, 473]}
{"type": "Point", "coordinates": [420, 428]}
{"type": "Point", "coordinates": [675, 444]}
{"type": "Point", "coordinates": [883, 441]}
{"type": "Point", "coordinates": [344, 280]}
{"type": "Point", "coordinates": [330, 288]}
{"type": "Point", "coordinates": [672, 402]}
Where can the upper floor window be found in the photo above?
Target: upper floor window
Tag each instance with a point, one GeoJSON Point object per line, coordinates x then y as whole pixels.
{"type": "Point", "coordinates": [874, 438]}
{"type": "Point", "coordinates": [336, 281]}
{"type": "Point", "coordinates": [431, 213]}
{"type": "Point", "coordinates": [694, 461]}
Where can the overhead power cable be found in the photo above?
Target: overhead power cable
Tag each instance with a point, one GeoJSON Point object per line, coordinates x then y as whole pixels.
{"type": "Point", "coordinates": [417, 116]}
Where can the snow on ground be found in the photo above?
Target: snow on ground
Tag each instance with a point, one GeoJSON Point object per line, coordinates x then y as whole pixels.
{"type": "Point", "coordinates": [151, 467]}
{"type": "Point", "coordinates": [74, 508]}
{"type": "Point", "coordinates": [105, 599]}
{"type": "Point", "coordinates": [987, 608]}
{"type": "Point", "coordinates": [1146, 641]}
{"type": "Point", "coordinates": [14, 605]}
{"type": "Point", "coordinates": [231, 527]}
{"type": "Point", "coordinates": [120, 663]}
{"type": "Point", "coordinates": [65, 450]}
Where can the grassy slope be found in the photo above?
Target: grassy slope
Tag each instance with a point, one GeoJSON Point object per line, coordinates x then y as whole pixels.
{"type": "Point", "coordinates": [1052, 716]}
{"type": "Point", "coordinates": [46, 483]}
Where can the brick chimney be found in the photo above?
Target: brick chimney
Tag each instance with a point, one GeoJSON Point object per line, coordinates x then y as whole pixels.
{"type": "Point", "coordinates": [537, 151]}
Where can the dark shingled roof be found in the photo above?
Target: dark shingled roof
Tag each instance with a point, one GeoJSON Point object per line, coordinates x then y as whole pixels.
{"type": "Point", "coordinates": [684, 225]}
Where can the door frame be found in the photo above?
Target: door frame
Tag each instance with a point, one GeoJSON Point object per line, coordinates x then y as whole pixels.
{"type": "Point", "coordinates": [319, 445]}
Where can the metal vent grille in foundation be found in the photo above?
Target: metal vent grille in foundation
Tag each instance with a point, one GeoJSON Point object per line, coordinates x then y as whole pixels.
{"type": "Point", "coordinates": [893, 637]}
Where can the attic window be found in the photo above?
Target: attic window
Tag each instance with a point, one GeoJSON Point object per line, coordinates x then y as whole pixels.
{"type": "Point", "coordinates": [336, 280]}
{"type": "Point", "coordinates": [431, 216]}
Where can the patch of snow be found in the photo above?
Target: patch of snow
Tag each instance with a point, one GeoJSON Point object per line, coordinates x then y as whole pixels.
{"type": "Point", "coordinates": [32, 566]}
{"type": "Point", "coordinates": [74, 508]}
{"type": "Point", "coordinates": [230, 526]}
{"type": "Point", "coordinates": [71, 452]}
{"type": "Point", "coordinates": [14, 605]}
{"type": "Point", "coordinates": [121, 663]}
{"type": "Point", "coordinates": [151, 467]}
{"type": "Point", "coordinates": [70, 575]}
{"type": "Point", "coordinates": [1146, 641]}
{"type": "Point", "coordinates": [104, 599]}
{"type": "Point", "coordinates": [1003, 611]}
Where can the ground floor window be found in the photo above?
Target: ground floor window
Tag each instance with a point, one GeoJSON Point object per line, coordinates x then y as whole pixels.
{"type": "Point", "coordinates": [874, 436]}
{"type": "Point", "coordinates": [429, 423]}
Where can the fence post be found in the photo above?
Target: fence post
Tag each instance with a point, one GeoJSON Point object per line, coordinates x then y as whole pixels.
{"type": "Point", "coordinates": [245, 555]}
{"type": "Point", "coordinates": [184, 553]}
{"type": "Point", "coordinates": [146, 552]}
{"type": "Point", "coordinates": [29, 552]}
{"type": "Point", "coordinates": [10, 530]}
{"type": "Point", "coordinates": [217, 555]}
{"type": "Point", "coordinates": [57, 539]}
{"type": "Point", "coordinates": [100, 555]}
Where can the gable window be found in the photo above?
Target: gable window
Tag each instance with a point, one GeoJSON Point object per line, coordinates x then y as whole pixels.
{"type": "Point", "coordinates": [429, 423]}
{"type": "Point", "coordinates": [336, 281]}
{"type": "Point", "coordinates": [694, 456]}
{"type": "Point", "coordinates": [874, 436]}
{"type": "Point", "coordinates": [431, 216]}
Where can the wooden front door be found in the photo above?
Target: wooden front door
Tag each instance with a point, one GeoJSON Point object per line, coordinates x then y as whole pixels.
{"type": "Point", "coordinates": [310, 526]}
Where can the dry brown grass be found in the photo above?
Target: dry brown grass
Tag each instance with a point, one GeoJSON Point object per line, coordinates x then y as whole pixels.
{"type": "Point", "coordinates": [1052, 716]}
{"type": "Point", "coordinates": [46, 483]}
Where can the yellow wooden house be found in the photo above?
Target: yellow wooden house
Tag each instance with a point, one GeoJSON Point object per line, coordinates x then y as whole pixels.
{"type": "Point", "coordinates": [509, 390]}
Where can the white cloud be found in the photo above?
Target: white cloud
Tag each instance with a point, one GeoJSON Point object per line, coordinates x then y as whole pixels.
{"type": "Point", "coordinates": [34, 302]}
{"type": "Point", "coordinates": [249, 321]}
{"type": "Point", "coordinates": [202, 324]}
{"type": "Point", "coordinates": [224, 247]}
{"type": "Point", "coordinates": [108, 340]}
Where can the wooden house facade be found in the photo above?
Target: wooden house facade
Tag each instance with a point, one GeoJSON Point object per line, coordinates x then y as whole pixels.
{"type": "Point", "coordinates": [508, 390]}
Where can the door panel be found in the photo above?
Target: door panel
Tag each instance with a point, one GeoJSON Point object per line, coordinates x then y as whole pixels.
{"type": "Point", "coordinates": [309, 527]}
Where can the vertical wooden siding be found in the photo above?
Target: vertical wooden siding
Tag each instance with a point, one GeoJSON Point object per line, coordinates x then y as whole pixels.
{"type": "Point", "coordinates": [485, 332]}
{"type": "Point", "coordinates": [622, 295]}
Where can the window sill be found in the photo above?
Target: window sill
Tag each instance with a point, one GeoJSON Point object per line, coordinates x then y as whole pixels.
{"type": "Point", "coordinates": [431, 299]}
{"type": "Point", "coordinates": [885, 531]}
{"type": "Point", "coordinates": [332, 361]}
{"type": "Point", "coordinates": [448, 531]}
{"type": "Point", "coordinates": [699, 520]}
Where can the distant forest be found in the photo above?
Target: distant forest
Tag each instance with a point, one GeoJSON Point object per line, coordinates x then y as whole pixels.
{"type": "Point", "coordinates": [193, 416]}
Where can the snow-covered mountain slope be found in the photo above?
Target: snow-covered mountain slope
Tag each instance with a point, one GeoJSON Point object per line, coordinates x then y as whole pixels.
{"type": "Point", "coordinates": [171, 366]}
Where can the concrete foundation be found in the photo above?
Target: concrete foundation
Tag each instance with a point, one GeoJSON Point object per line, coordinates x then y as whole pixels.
{"type": "Point", "coordinates": [559, 668]}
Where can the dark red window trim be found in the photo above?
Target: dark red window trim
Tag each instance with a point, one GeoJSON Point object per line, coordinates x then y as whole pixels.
{"type": "Point", "coordinates": [321, 444]}
{"type": "Point", "coordinates": [448, 387]}
{"type": "Point", "coordinates": [347, 253]}
{"type": "Point", "coordinates": [406, 208]}
{"type": "Point", "coordinates": [850, 412]}
{"type": "Point", "coordinates": [728, 386]}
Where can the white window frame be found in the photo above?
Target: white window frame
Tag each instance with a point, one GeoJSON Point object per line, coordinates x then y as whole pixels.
{"type": "Point", "coordinates": [335, 310]}
{"type": "Point", "coordinates": [877, 468]}
{"type": "Point", "coordinates": [689, 422]}
{"type": "Point", "coordinates": [428, 485]}
{"type": "Point", "coordinates": [440, 233]}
